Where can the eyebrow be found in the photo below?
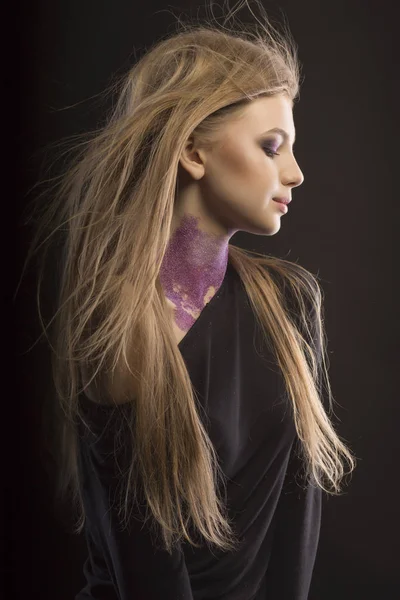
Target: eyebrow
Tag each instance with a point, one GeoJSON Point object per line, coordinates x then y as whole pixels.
{"type": "Point", "coordinates": [283, 133]}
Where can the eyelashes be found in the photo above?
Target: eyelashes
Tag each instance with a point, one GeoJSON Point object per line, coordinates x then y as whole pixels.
{"type": "Point", "coordinates": [269, 151]}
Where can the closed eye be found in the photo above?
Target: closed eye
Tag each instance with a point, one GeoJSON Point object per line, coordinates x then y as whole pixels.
{"type": "Point", "coordinates": [269, 152]}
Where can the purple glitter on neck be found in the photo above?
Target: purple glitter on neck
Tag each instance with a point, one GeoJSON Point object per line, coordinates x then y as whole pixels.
{"type": "Point", "coordinates": [193, 270]}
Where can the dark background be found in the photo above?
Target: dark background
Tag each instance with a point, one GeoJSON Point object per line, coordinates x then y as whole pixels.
{"type": "Point", "coordinates": [341, 226]}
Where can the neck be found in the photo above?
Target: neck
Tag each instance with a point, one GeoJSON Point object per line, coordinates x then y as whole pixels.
{"type": "Point", "coordinates": [193, 269]}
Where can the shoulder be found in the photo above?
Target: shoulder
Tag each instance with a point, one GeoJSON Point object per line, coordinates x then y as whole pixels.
{"type": "Point", "coordinates": [105, 391]}
{"type": "Point", "coordinates": [302, 297]}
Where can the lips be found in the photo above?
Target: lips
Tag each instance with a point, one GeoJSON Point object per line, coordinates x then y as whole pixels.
{"type": "Point", "coordinates": [282, 200]}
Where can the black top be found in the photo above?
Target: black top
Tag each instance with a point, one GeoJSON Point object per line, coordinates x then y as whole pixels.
{"type": "Point", "coordinates": [250, 422]}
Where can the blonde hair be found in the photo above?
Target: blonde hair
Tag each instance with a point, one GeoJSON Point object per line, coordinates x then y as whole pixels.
{"type": "Point", "coordinates": [114, 206]}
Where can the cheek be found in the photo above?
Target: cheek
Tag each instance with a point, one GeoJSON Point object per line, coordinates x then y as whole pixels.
{"type": "Point", "coordinates": [239, 180]}
{"type": "Point", "coordinates": [245, 168]}
{"type": "Point", "coordinates": [251, 178]}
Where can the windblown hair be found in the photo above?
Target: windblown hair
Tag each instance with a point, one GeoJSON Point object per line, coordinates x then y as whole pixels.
{"type": "Point", "coordinates": [114, 205]}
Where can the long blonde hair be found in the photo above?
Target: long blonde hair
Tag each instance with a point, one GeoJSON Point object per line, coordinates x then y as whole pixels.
{"type": "Point", "coordinates": [114, 205]}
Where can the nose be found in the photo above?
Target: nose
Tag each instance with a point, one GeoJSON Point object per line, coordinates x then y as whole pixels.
{"type": "Point", "coordinates": [294, 176]}
{"type": "Point", "coordinates": [298, 180]}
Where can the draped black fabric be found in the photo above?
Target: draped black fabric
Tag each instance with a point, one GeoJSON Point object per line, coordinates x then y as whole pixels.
{"type": "Point", "coordinates": [249, 418]}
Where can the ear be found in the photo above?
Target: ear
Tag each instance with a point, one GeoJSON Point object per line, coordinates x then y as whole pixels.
{"type": "Point", "coordinates": [192, 160]}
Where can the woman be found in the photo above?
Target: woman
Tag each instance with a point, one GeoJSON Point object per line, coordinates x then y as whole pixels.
{"type": "Point", "coordinates": [194, 439]}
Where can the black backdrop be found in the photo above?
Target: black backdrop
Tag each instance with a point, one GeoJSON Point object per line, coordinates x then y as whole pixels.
{"type": "Point", "coordinates": [342, 226]}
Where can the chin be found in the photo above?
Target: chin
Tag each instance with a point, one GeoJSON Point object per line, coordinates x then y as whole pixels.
{"type": "Point", "coordinates": [263, 229]}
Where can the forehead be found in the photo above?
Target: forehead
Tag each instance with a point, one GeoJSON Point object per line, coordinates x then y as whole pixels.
{"type": "Point", "coordinates": [267, 113]}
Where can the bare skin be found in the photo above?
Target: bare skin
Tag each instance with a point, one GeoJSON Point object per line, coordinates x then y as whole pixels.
{"type": "Point", "coordinates": [222, 190]}
{"type": "Point", "coordinates": [192, 272]}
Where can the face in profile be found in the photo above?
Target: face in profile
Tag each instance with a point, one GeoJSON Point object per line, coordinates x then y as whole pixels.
{"type": "Point", "coordinates": [226, 188]}
{"type": "Point", "coordinates": [231, 186]}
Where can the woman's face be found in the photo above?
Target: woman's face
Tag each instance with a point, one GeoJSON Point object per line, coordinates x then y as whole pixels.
{"type": "Point", "coordinates": [231, 186]}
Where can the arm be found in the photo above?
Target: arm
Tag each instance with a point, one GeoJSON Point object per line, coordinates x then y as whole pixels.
{"type": "Point", "coordinates": [297, 518]}
{"type": "Point", "coordinates": [296, 536]}
{"type": "Point", "coordinates": [122, 564]}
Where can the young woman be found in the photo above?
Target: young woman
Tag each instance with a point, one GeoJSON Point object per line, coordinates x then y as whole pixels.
{"type": "Point", "coordinates": [195, 441]}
